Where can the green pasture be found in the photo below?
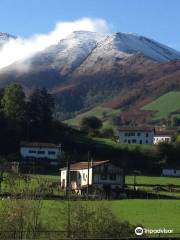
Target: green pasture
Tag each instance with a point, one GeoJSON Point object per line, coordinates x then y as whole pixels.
{"type": "Point", "coordinates": [164, 105]}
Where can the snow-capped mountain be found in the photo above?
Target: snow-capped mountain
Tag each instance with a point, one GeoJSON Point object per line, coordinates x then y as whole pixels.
{"type": "Point", "coordinates": [86, 69]}
{"type": "Point", "coordinates": [5, 37]}
{"type": "Point", "coordinates": [117, 48]}
{"type": "Point", "coordinates": [69, 53]}
{"type": "Point", "coordinates": [91, 50]}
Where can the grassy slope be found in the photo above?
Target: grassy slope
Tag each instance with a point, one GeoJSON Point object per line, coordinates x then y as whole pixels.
{"type": "Point", "coordinates": [104, 113]}
{"type": "Point", "coordinates": [164, 105]}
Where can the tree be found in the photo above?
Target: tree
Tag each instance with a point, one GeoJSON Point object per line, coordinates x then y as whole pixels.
{"type": "Point", "coordinates": [175, 121]}
{"type": "Point", "coordinates": [40, 107]}
{"type": "Point", "coordinates": [91, 124]}
{"type": "Point", "coordinates": [13, 103]}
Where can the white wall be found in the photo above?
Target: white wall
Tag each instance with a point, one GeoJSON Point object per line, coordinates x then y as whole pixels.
{"type": "Point", "coordinates": [158, 139]}
{"type": "Point", "coordinates": [84, 176]}
{"type": "Point", "coordinates": [63, 177]}
{"type": "Point", "coordinates": [26, 152]}
{"type": "Point", "coordinates": [138, 138]}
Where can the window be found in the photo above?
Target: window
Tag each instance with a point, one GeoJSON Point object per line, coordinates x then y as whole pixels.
{"type": "Point", "coordinates": [147, 134]}
{"type": "Point", "coordinates": [146, 141]}
{"type": "Point", "coordinates": [139, 134]}
{"type": "Point", "coordinates": [112, 176]}
{"type": "Point", "coordinates": [125, 134]}
{"type": "Point", "coordinates": [103, 176]}
{"type": "Point", "coordinates": [134, 141]}
{"type": "Point", "coordinates": [129, 141]}
{"type": "Point", "coordinates": [125, 141]}
{"type": "Point", "coordinates": [140, 142]}
{"type": "Point", "coordinates": [51, 152]}
{"type": "Point", "coordinates": [32, 151]}
{"type": "Point", "coordinates": [41, 152]}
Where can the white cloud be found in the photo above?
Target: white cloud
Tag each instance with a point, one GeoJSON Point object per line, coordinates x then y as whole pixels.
{"type": "Point", "coordinates": [18, 49]}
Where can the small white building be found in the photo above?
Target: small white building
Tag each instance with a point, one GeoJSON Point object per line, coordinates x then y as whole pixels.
{"type": "Point", "coordinates": [171, 172]}
{"type": "Point", "coordinates": [162, 137]}
{"type": "Point", "coordinates": [102, 175]}
{"type": "Point", "coordinates": [37, 150]}
{"type": "Point", "coordinates": [136, 135]}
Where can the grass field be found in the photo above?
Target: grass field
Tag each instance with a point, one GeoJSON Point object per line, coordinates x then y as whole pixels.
{"type": "Point", "coordinates": [153, 214]}
{"type": "Point", "coordinates": [104, 113]}
{"type": "Point", "coordinates": [153, 180]}
{"type": "Point", "coordinates": [164, 105]}
{"type": "Point", "coordinates": [149, 213]}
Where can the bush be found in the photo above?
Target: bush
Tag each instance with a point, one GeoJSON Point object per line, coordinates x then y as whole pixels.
{"type": "Point", "coordinates": [95, 220]}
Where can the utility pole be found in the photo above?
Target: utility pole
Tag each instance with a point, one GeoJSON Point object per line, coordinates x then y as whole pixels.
{"type": "Point", "coordinates": [134, 181]}
{"type": "Point", "coordinates": [88, 175]}
{"type": "Point", "coordinates": [68, 197]}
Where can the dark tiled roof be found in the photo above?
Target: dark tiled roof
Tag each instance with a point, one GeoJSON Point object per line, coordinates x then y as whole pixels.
{"type": "Point", "coordinates": [163, 133]}
{"type": "Point", "coordinates": [84, 165]}
{"type": "Point", "coordinates": [136, 129]}
{"type": "Point", "coordinates": [39, 144]}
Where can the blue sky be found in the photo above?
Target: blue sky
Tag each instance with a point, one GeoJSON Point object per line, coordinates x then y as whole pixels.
{"type": "Point", "coordinates": [157, 19]}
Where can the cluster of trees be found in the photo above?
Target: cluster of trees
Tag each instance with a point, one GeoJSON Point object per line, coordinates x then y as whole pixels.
{"type": "Point", "coordinates": [94, 127]}
{"type": "Point", "coordinates": [23, 118]}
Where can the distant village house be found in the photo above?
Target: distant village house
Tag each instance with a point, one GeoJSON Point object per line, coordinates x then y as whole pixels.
{"type": "Point", "coordinates": [171, 172]}
{"type": "Point", "coordinates": [40, 151]}
{"type": "Point", "coordinates": [136, 135]}
{"type": "Point", "coordinates": [142, 135]}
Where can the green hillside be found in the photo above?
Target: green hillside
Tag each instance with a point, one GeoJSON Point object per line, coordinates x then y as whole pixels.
{"type": "Point", "coordinates": [164, 105]}
{"type": "Point", "coordinates": [104, 113]}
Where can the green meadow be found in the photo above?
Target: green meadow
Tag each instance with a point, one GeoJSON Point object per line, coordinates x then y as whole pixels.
{"type": "Point", "coordinates": [151, 180]}
{"type": "Point", "coordinates": [164, 105]}
{"type": "Point", "coordinates": [149, 213]}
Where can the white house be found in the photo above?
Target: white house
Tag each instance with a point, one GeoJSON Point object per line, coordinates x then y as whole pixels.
{"type": "Point", "coordinates": [37, 150]}
{"type": "Point", "coordinates": [136, 135]}
{"type": "Point", "coordinates": [162, 137]}
{"type": "Point", "coordinates": [102, 175]}
{"type": "Point", "coordinates": [171, 172]}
